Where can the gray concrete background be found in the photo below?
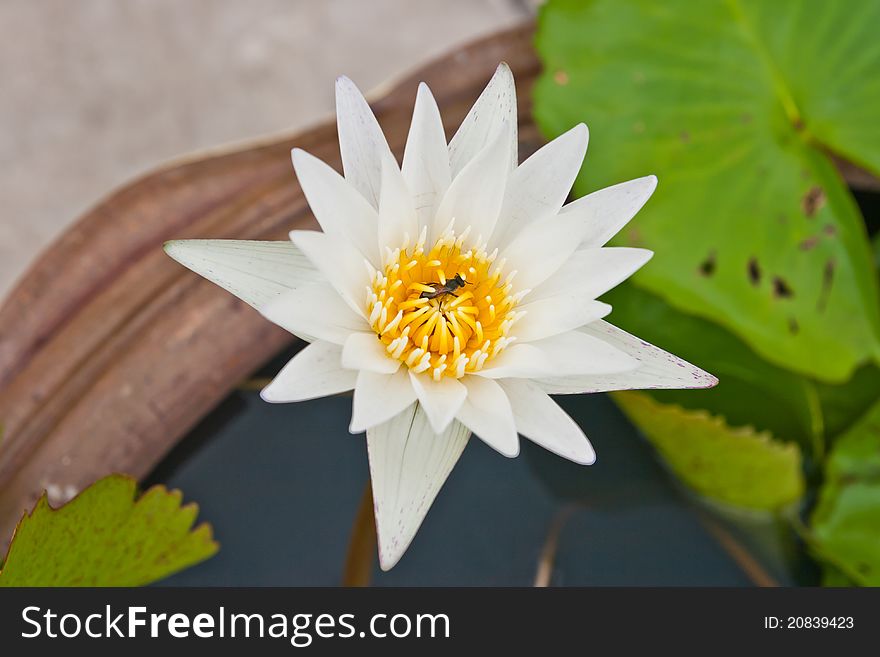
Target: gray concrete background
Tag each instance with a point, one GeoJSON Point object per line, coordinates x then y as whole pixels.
{"type": "Point", "coordinates": [94, 92]}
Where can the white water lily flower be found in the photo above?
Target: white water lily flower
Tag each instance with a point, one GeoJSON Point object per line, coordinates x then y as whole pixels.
{"type": "Point", "coordinates": [452, 294]}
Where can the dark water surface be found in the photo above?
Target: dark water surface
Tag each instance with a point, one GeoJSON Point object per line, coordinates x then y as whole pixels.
{"type": "Point", "coordinates": [281, 485]}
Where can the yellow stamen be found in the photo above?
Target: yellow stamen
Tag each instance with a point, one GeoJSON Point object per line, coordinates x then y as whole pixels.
{"type": "Point", "coordinates": [458, 330]}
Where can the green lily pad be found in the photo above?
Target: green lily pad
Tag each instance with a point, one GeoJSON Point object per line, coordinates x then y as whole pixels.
{"type": "Point", "coordinates": [735, 106]}
{"type": "Point", "coordinates": [737, 466]}
{"type": "Point", "coordinates": [846, 520]}
{"type": "Point", "coordinates": [105, 537]}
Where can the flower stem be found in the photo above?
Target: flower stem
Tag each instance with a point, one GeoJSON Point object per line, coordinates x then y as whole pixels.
{"type": "Point", "coordinates": [551, 545]}
{"type": "Point", "coordinates": [362, 545]}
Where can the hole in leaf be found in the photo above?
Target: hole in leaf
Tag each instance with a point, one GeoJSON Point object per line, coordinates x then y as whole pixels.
{"type": "Point", "coordinates": [813, 200]}
{"type": "Point", "coordinates": [707, 267]}
{"type": "Point", "coordinates": [781, 289]}
{"type": "Point", "coordinates": [754, 270]}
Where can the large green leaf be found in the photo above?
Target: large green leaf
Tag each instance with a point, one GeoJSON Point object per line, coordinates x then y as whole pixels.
{"type": "Point", "coordinates": [104, 537]}
{"type": "Point", "coordinates": [846, 520]}
{"type": "Point", "coordinates": [733, 465]}
{"type": "Point", "coordinates": [735, 105]}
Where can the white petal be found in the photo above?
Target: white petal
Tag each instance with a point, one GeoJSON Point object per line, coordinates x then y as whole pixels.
{"type": "Point", "coordinates": [316, 371]}
{"type": "Point", "coordinates": [562, 313]}
{"type": "Point", "coordinates": [426, 158]}
{"type": "Point", "coordinates": [592, 272]}
{"type": "Point", "coordinates": [361, 142]}
{"type": "Point", "coordinates": [342, 265]}
{"type": "Point", "coordinates": [566, 354]}
{"type": "Point", "coordinates": [496, 107]}
{"type": "Point", "coordinates": [379, 397]}
{"type": "Point", "coordinates": [539, 186]}
{"type": "Point", "coordinates": [408, 465]}
{"type": "Point", "coordinates": [608, 210]}
{"type": "Point", "coordinates": [542, 247]}
{"type": "Point", "coordinates": [255, 272]}
{"type": "Point", "coordinates": [441, 399]}
{"type": "Point", "coordinates": [397, 213]}
{"type": "Point", "coordinates": [364, 351]}
{"type": "Point", "coordinates": [474, 198]}
{"type": "Point", "coordinates": [487, 413]}
{"type": "Point", "coordinates": [338, 207]}
{"type": "Point", "coordinates": [315, 312]}
{"type": "Point", "coordinates": [541, 420]}
{"type": "Point", "coordinates": [657, 368]}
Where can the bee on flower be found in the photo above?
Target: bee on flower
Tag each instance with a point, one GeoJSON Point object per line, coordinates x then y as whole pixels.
{"type": "Point", "coordinates": [452, 293]}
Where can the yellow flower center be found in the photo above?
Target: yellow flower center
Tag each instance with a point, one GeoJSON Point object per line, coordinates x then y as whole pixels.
{"type": "Point", "coordinates": [445, 312]}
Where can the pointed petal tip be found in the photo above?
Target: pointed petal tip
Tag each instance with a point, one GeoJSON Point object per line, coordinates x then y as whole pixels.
{"type": "Point", "coordinates": [702, 380]}
{"type": "Point", "coordinates": [582, 454]}
{"type": "Point", "coordinates": [178, 249]}
{"type": "Point", "coordinates": [585, 455]}
{"type": "Point", "coordinates": [297, 154]}
{"type": "Point", "coordinates": [580, 135]}
{"type": "Point", "coordinates": [510, 454]}
{"type": "Point", "coordinates": [296, 234]}
{"type": "Point", "coordinates": [389, 559]}
{"type": "Point", "coordinates": [269, 395]}
{"type": "Point", "coordinates": [503, 68]}
{"type": "Point", "coordinates": [439, 425]}
{"type": "Point", "coordinates": [181, 251]}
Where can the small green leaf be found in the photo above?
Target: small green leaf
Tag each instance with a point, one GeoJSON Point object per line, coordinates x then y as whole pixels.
{"type": "Point", "coordinates": [105, 537]}
{"type": "Point", "coordinates": [735, 106]}
{"type": "Point", "coordinates": [733, 465]}
{"type": "Point", "coordinates": [846, 520]}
